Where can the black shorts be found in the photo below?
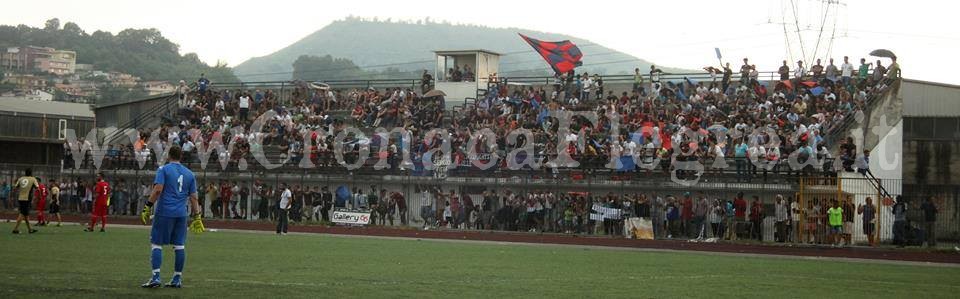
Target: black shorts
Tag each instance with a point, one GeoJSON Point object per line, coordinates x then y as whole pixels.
{"type": "Point", "coordinates": [868, 228]}
{"type": "Point", "coordinates": [24, 207]}
{"type": "Point", "coordinates": [54, 208]}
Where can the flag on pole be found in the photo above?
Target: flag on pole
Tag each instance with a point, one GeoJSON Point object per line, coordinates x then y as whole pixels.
{"type": "Point", "coordinates": [562, 56]}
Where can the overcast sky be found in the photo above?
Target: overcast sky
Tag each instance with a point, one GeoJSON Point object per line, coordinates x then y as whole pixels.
{"type": "Point", "coordinates": [923, 33]}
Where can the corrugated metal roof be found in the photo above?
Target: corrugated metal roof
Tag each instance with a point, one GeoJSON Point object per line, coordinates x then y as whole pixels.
{"type": "Point", "coordinates": [45, 107]}
{"type": "Point", "coordinates": [929, 99]}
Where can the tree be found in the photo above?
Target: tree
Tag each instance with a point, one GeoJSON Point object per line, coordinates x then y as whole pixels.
{"type": "Point", "coordinates": [72, 28]}
{"type": "Point", "coordinates": [52, 25]}
{"type": "Point", "coordinates": [144, 53]}
{"type": "Point", "coordinates": [309, 67]}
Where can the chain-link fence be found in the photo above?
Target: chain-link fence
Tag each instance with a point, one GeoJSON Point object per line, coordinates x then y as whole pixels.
{"type": "Point", "coordinates": [721, 209]}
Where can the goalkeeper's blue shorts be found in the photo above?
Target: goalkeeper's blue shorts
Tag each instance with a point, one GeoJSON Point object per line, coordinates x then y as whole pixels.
{"type": "Point", "coordinates": [169, 231]}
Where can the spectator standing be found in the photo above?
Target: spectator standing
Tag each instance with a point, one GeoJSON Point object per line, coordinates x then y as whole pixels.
{"type": "Point", "coordinates": [715, 217]}
{"type": "Point", "coordinates": [846, 71]}
{"type": "Point", "coordinates": [756, 219]}
{"type": "Point", "coordinates": [202, 84]}
{"type": "Point", "coordinates": [730, 223]}
{"type": "Point", "coordinates": [226, 193]}
{"type": "Point", "coordinates": [638, 82]}
{"type": "Point", "coordinates": [55, 196]}
{"type": "Point", "coordinates": [182, 91]}
{"type": "Point", "coordinates": [929, 221]}
{"type": "Point", "coordinates": [286, 201]}
{"type": "Point", "coordinates": [655, 79]}
{"type": "Point", "coordinates": [745, 72]}
{"type": "Point", "coordinates": [864, 71]}
{"type": "Point", "coordinates": [848, 213]}
{"type": "Point", "coordinates": [794, 230]}
{"type": "Point", "coordinates": [587, 87]}
{"type": "Point", "coordinates": [799, 73]}
{"type": "Point", "coordinates": [244, 107]}
{"type": "Point", "coordinates": [835, 217]}
{"type": "Point", "coordinates": [700, 211]}
{"type": "Point", "coordinates": [326, 199]}
{"type": "Point", "coordinates": [740, 212]}
{"type": "Point", "coordinates": [817, 71]}
{"type": "Point", "coordinates": [727, 73]}
{"type": "Point", "coordinates": [831, 72]}
{"type": "Point", "coordinates": [781, 216]}
{"type": "Point", "coordinates": [899, 211]}
{"type": "Point", "coordinates": [210, 200]}
{"type": "Point", "coordinates": [784, 71]}
{"type": "Point", "coordinates": [879, 71]}
{"type": "Point", "coordinates": [426, 82]}
{"type": "Point", "coordinates": [893, 71]}
{"type": "Point", "coordinates": [5, 195]}
{"type": "Point", "coordinates": [869, 212]}
{"type": "Point", "coordinates": [686, 215]}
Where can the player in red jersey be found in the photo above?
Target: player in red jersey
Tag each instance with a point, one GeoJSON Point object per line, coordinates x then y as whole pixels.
{"type": "Point", "coordinates": [101, 193]}
{"type": "Point", "coordinates": [41, 195]}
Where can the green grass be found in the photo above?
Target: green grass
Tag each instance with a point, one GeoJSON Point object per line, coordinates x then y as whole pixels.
{"type": "Point", "coordinates": [68, 263]}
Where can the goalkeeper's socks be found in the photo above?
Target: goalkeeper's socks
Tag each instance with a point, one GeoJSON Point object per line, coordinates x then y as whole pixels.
{"type": "Point", "coordinates": [156, 275]}
{"type": "Point", "coordinates": [176, 281]}
{"type": "Point", "coordinates": [156, 258]}
{"type": "Point", "coordinates": [180, 256]}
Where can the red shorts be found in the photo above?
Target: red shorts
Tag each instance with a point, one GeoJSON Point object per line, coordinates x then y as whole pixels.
{"type": "Point", "coordinates": [41, 205]}
{"type": "Point", "coordinates": [99, 210]}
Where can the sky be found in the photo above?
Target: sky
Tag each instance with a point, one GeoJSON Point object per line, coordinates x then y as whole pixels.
{"type": "Point", "coordinates": [923, 33]}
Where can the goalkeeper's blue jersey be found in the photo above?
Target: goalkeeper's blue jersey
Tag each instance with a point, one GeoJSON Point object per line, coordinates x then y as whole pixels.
{"type": "Point", "coordinates": [178, 184]}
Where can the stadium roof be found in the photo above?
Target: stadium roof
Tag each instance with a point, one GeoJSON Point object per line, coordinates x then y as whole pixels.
{"type": "Point", "coordinates": [20, 105]}
{"type": "Point", "coordinates": [466, 51]}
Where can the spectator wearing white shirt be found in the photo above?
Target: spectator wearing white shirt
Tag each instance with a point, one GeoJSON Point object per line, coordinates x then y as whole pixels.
{"type": "Point", "coordinates": [799, 72]}
{"type": "Point", "coordinates": [244, 106]}
{"type": "Point", "coordinates": [285, 203]}
{"type": "Point", "coordinates": [587, 85]}
{"type": "Point", "coordinates": [846, 70]}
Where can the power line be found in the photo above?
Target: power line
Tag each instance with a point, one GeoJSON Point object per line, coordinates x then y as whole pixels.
{"type": "Point", "coordinates": [823, 23]}
{"type": "Point", "coordinates": [796, 22]}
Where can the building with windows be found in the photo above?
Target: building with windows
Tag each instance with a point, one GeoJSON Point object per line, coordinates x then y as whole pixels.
{"type": "Point", "coordinates": [41, 59]}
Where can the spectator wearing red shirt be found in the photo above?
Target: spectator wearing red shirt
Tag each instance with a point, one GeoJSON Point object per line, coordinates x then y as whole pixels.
{"type": "Point", "coordinates": [41, 195]}
{"type": "Point", "coordinates": [756, 218]}
{"type": "Point", "coordinates": [740, 213]}
{"type": "Point", "coordinates": [226, 193]}
{"type": "Point", "coordinates": [686, 214]}
{"type": "Point", "coordinates": [101, 192]}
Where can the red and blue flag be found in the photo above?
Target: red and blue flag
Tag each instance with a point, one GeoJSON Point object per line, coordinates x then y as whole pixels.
{"type": "Point", "coordinates": [562, 56]}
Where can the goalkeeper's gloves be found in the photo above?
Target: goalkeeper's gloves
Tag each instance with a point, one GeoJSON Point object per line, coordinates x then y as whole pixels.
{"type": "Point", "coordinates": [196, 225]}
{"type": "Point", "coordinates": [145, 214]}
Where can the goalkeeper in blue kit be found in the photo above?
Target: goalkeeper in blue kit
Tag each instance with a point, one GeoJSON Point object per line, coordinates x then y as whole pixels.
{"type": "Point", "coordinates": [173, 185]}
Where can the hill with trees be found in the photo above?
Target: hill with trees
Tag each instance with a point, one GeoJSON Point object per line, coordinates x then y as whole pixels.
{"type": "Point", "coordinates": [383, 47]}
{"type": "Point", "coordinates": [145, 53]}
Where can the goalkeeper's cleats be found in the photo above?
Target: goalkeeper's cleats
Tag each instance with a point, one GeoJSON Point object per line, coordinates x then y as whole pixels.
{"type": "Point", "coordinates": [175, 282]}
{"type": "Point", "coordinates": [154, 282]}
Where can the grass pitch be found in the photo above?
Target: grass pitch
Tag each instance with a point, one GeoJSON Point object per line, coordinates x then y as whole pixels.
{"type": "Point", "coordinates": [69, 263]}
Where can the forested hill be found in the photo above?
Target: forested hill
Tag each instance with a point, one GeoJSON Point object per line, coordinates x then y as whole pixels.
{"type": "Point", "coordinates": [406, 47]}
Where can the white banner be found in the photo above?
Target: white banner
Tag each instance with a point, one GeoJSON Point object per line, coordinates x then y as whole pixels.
{"type": "Point", "coordinates": [600, 212]}
{"type": "Point", "coordinates": [351, 217]}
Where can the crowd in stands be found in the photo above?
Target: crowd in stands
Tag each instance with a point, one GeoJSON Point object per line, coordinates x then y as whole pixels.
{"type": "Point", "coordinates": [746, 121]}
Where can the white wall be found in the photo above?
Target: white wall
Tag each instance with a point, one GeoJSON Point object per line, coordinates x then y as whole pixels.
{"type": "Point", "coordinates": [886, 159]}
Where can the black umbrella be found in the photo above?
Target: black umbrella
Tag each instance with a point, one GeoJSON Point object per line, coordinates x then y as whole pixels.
{"type": "Point", "coordinates": [883, 53]}
{"type": "Point", "coordinates": [434, 93]}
